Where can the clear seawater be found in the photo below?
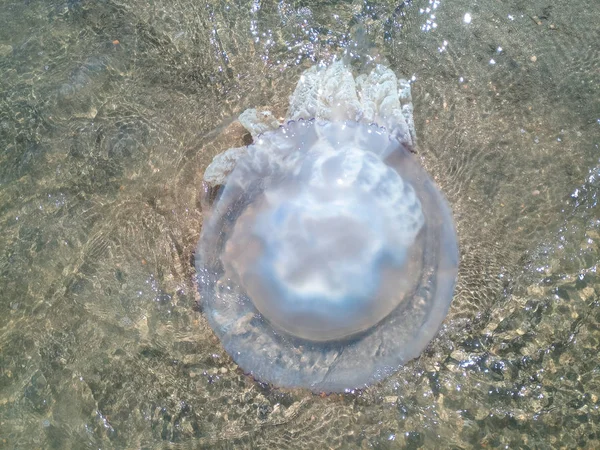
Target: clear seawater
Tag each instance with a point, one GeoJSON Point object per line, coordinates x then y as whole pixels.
{"type": "Point", "coordinates": [109, 112]}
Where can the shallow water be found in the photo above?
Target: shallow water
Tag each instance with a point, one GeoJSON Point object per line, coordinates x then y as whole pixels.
{"type": "Point", "coordinates": [109, 113]}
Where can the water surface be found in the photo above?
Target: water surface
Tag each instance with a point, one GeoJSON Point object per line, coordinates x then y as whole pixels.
{"type": "Point", "coordinates": [109, 113]}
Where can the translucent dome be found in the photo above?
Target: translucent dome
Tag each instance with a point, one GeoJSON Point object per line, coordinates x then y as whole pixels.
{"type": "Point", "coordinates": [329, 257]}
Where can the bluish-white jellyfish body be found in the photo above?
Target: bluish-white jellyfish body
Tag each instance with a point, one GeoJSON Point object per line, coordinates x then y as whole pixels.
{"type": "Point", "coordinates": [329, 257]}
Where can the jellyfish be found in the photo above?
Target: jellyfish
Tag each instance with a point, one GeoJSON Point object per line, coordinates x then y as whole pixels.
{"type": "Point", "coordinates": [327, 257]}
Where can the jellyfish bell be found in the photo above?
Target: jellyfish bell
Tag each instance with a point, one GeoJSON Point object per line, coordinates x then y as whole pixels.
{"type": "Point", "coordinates": [329, 257]}
{"type": "Point", "coordinates": [326, 239]}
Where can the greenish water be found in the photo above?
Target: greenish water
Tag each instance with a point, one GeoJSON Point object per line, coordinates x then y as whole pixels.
{"type": "Point", "coordinates": [109, 113]}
